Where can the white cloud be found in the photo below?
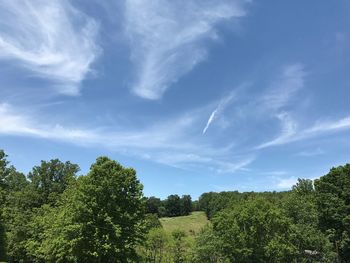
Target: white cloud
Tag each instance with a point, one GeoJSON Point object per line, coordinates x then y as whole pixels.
{"type": "Point", "coordinates": [166, 142]}
{"type": "Point", "coordinates": [166, 38]}
{"type": "Point", "coordinates": [290, 134]}
{"type": "Point", "coordinates": [289, 129]}
{"type": "Point", "coordinates": [310, 153]}
{"type": "Point", "coordinates": [285, 87]}
{"type": "Point", "coordinates": [219, 109]}
{"type": "Point", "coordinates": [52, 39]}
{"type": "Point", "coordinates": [286, 183]}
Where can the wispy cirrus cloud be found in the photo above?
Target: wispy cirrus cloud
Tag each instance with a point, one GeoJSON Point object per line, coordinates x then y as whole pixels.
{"type": "Point", "coordinates": [285, 87]}
{"type": "Point", "coordinates": [310, 153]}
{"type": "Point", "coordinates": [165, 142]}
{"type": "Point", "coordinates": [289, 129]}
{"type": "Point", "coordinates": [279, 96]}
{"type": "Point", "coordinates": [290, 134]}
{"type": "Point", "coordinates": [166, 38]}
{"type": "Point", "coordinates": [286, 183]}
{"type": "Point", "coordinates": [51, 39]}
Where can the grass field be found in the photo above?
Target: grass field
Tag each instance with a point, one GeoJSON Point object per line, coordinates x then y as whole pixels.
{"type": "Point", "coordinates": [191, 224]}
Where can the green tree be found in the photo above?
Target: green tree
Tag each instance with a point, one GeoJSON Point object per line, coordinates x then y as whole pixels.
{"type": "Point", "coordinates": [333, 204]}
{"type": "Point", "coordinates": [208, 247]}
{"type": "Point", "coordinates": [300, 206]}
{"type": "Point", "coordinates": [11, 181]}
{"type": "Point", "coordinates": [186, 205]}
{"type": "Point", "coordinates": [47, 182]}
{"type": "Point", "coordinates": [179, 246]}
{"type": "Point", "coordinates": [152, 221]}
{"type": "Point", "coordinates": [173, 205]}
{"type": "Point", "coordinates": [153, 204]}
{"type": "Point", "coordinates": [99, 219]}
{"type": "Point", "coordinates": [255, 231]}
{"type": "Point", "coordinates": [3, 172]}
{"type": "Point", "coordinates": [155, 246]}
{"type": "Point", "coordinates": [50, 179]}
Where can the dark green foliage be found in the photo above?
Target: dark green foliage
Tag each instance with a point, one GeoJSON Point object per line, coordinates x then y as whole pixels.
{"type": "Point", "coordinates": [3, 172]}
{"type": "Point", "coordinates": [173, 205]}
{"type": "Point", "coordinates": [211, 202]}
{"type": "Point", "coordinates": [152, 221]}
{"type": "Point", "coordinates": [152, 205]}
{"type": "Point", "coordinates": [333, 204]}
{"type": "Point", "coordinates": [186, 205]}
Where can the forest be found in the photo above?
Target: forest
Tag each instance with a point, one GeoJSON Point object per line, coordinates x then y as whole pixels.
{"type": "Point", "coordinates": [53, 215]}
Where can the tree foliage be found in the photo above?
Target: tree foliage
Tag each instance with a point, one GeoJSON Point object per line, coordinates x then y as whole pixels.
{"type": "Point", "coordinates": [333, 204]}
{"type": "Point", "coordinates": [51, 215]}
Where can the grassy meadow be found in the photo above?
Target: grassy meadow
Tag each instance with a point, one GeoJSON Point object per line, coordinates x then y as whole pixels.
{"type": "Point", "coordinates": [191, 224]}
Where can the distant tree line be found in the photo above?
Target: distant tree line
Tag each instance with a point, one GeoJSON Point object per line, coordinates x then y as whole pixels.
{"type": "Point", "coordinates": [173, 205]}
{"type": "Point", "coordinates": [53, 215]}
{"type": "Point", "coordinates": [310, 223]}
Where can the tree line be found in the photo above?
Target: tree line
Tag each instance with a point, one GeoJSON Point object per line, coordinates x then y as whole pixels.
{"type": "Point", "coordinates": [53, 215]}
{"type": "Point", "coordinates": [173, 205]}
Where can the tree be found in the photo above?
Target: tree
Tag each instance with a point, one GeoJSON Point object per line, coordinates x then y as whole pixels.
{"type": "Point", "coordinates": [300, 206]}
{"type": "Point", "coordinates": [333, 204]}
{"type": "Point", "coordinates": [10, 182]}
{"type": "Point", "coordinates": [152, 221]}
{"type": "Point", "coordinates": [50, 179]}
{"type": "Point", "coordinates": [186, 205]}
{"type": "Point", "coordinates": [255, 231]}
{"type": "Point", "coordinates": [152, 205]}
{"type": "Point", "coordinates": [155, 245]}
{"type": "Point", "coordinates": [173, 205]}
{"type": "Point", "coordinates": [99, 219]}
{"type": "Point", "coordinates": [179, 246]}
{"type": "Point", "coordinates": [208, 246]}
{"type": "Point", "coordinates": [3, 172]}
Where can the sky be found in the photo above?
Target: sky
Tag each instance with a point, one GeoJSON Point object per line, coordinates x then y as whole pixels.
{"type": "Point", "coordinates": [196, 95]}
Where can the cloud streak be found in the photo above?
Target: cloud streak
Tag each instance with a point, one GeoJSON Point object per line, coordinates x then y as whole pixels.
{"type": "Point", "coordinates": [219, 109]}
{"type": "Point", "coordinates": [166, 38]}
{"type": "Point", "coordinates": [52, 39]}
{"type": "Point", "coordinates": [165, 142]}
{"type": "Point", "coordinates": [285, 87]}
{"type": "Point", "coordinates": [290, 134]}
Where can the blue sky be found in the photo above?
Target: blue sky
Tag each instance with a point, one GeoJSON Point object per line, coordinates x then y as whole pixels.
{"type": "Point", "coordinates": [197, 95]}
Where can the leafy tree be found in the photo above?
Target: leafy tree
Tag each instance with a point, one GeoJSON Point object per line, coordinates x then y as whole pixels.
{"type": "Point", "coordinates": [173, 205]}
{"type": "Point", "coordinates": [300, 207]}
{"type": "Point", "coordinates": [186, 205]}
{"type": "Point", "coordinates": [208, 246]}
{"type": "Point", "coordinates": [99, 219]}
{"type": "Point", "coordinates": [10, 182]}
{"type": "Point", "coordinates": [152, 205]}
{"type": "Point", "coordinates": [333, 204]}
{"type": "Point", "coordinates": [152, 221]}
{"type": "Point", "coordinates": [155, 246]}
{"type": "Point", "coordinates": [255, 231]}
{"type": "Point", "coordinates": [3, 172]}
{"type": "Point", "coordinates": [162, 211]}
{"type": "Point", "coordinates": [50, 179]}
{"type": "Point", "coordinates": [179, 246]}
{"type": "Point", "coordinates": [211, 203]}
